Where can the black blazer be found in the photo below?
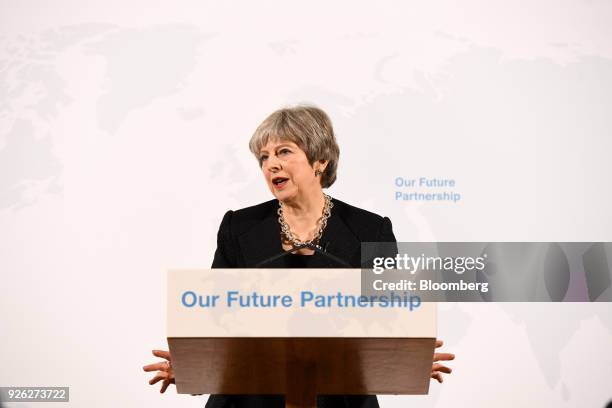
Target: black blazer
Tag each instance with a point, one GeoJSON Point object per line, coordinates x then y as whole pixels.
{"type": "Point", "coordinates": [251, 235]}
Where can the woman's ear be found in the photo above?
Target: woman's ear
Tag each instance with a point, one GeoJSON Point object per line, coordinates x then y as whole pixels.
{"type": "Point", "coordinates": [321, 165]}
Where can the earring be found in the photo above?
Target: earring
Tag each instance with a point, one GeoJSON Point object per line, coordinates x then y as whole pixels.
{"type": "Point", "coordinates": [318, 173]}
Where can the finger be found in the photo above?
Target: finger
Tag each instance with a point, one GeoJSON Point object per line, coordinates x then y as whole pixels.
{"type": "Point", "coordinates": [441, 368]}
{"type": "Point", "coordinates": [439, 343]}
{"type": "Point", "coordinates": [164, 386]}
{"type": "Point", "coordinates": [437, 376]}
{"type": "Point", "coordinates": [443, 356]}
{"type": "Point", "coordinates": [162, 354]}
{"type": "Point", "coordinates": [161, 375]}
{"type": "Point", "coordinates": [158, 377]}
{"type": "Point", "coordinates": [161, 366]}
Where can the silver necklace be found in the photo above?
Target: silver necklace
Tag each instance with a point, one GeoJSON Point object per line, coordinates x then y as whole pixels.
{"type": "Point", "coordinates": [289, 236]}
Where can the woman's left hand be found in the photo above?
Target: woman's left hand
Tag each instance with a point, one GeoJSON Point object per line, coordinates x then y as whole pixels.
{"type": "Point", "coordinates": [437, 369]}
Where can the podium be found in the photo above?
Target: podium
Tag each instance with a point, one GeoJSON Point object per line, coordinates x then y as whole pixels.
{"type": "Point", "coordinates": [325, 341]}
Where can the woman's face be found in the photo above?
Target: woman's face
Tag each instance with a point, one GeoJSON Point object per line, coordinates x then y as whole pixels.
{"type": "Point", "coordinates": [287, 171]}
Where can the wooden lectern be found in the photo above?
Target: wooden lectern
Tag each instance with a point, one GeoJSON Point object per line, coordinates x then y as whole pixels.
{"type": "Point", "coordinates": [300, 351]}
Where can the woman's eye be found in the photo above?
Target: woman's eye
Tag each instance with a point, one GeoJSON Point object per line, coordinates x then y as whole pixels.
{"type": "Point", "coordinates": [262, 158]}
{"type": "Point", "coordinates": [284, 151]}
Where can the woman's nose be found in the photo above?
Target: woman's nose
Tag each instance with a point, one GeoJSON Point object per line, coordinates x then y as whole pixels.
{"type": "Point", "coordinates": [273, 164]}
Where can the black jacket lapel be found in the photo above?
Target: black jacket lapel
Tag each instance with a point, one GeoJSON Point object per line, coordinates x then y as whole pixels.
{"type": "Point", "coordinates": [262, 242]}
{"type": "Point", "coordinates": [340, 241]}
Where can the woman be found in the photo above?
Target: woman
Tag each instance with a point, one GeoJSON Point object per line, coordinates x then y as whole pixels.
{"type": "Point", "coordinates": [298, 155]}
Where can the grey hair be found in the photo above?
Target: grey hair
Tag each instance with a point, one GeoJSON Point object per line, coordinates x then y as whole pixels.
{"type": "Point", "coordinates": [308, 127]}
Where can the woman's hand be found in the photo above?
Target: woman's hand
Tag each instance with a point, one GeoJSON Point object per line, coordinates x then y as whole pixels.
{"type": "Point", "coordinates": [437, 369]}
{"type": "Point", "coordinates": [163, 368]}
{"type": "Point", "coordinates": [166, 373]}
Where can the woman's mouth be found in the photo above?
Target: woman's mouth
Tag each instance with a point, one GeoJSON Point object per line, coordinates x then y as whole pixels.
{"type": "Point", "coordinates": [279, 182]}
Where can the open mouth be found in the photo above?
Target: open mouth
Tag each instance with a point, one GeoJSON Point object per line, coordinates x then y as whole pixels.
{"type": "Point", "coordinates": [279, 182]}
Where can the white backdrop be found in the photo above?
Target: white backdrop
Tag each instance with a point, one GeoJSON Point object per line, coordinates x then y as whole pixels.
{"type": "Point", "coordinates": [123, 140]}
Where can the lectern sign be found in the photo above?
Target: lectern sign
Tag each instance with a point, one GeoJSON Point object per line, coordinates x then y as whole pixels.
{"type": "Point", "coordinates": [289, 303]}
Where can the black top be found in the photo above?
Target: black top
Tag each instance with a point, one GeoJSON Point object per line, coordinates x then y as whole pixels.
{"type": "Point", "coordinates": [305, 261]}
{"type": "Point", "coordinates": [251, 236]}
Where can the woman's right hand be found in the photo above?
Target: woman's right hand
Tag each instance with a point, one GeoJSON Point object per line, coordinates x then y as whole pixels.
{"type": "Point", "coordinates": [163, 368]}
